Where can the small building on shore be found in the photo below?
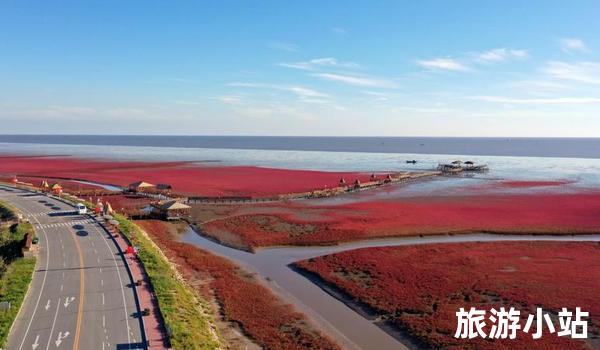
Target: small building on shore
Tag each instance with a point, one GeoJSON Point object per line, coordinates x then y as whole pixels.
{"type": "Point", "coordinates": [164, 188]}
{"type": "Point", "coordinates": [458, 166]}
{"type": "Point", "coordinates": [167, 210]}
{"type": "Point", "coordinates": [141, 186]}
{"type": "Point", "coordinates": [56, 189]}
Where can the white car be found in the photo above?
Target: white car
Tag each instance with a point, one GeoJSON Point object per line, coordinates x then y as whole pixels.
{"type": "Point", "coordinates": [81, 209]}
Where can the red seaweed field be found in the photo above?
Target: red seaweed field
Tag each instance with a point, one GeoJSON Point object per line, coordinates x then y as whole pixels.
{"type": "Point", "coordinates": [419, 288]}
{"type": "Point", "coordinates": [266, 319]}
{"type": "Point", "coordinates": [185, 177]}
{"type": "Point", "coordinates": [537, 213]}
{"type": "Point", "coordinates": [123, 203]}
{"type": "Point", "coordinates": [72, 187]}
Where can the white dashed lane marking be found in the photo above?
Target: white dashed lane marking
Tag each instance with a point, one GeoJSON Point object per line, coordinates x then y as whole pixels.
{"type": "Point", "coordinates": [48, 213]}
{"type": "Point", "coordinates": [66, 224]}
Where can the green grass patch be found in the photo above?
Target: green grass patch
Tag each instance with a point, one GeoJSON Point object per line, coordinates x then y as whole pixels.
{"type": "Point", "coordinates": [13, 288]}
{"type": "Point", "coordinates": [6, 213]}
{"type": "Point", "coordinates": [15, 271]}
{"type": "Point", "coordinates": [187, 324]}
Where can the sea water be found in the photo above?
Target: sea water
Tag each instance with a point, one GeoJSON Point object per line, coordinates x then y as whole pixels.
{"type": "Point", "coordinates": [571, 159]}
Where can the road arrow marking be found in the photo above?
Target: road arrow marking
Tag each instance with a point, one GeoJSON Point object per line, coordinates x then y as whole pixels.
{"type": "Point", "coordinates": [60, 338]}
{"type": "Point", "coordinates": [47, 305]}
{"type": "Point", "coordinates": [68, 301]}
{"type": "Point", "coordinates": [36, 343]}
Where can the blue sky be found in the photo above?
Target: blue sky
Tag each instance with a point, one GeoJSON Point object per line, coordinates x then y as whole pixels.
{"type": "Point", "coordinates": [390, 68]}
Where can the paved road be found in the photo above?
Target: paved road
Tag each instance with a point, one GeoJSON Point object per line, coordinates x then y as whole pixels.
{"type": "Point", "coordinates": [81, 296]}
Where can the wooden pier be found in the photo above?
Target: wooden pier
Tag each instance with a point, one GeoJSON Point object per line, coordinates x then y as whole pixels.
{"type": "Point", "coordinates": [342, 188]}
{"type": "Point", "coordinates": [457, 167]}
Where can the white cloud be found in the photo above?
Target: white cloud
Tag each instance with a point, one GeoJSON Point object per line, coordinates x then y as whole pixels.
{"type": "Point", "coordinates": [316, 63]}
{"type": "Point", "coordinates": [443, 64]}
{"type": "Point", "coordinates": [427, 110]}
{"type": "Point", "coordinates": [339, 30]}
{"type": "Point", "coordinates": [305, 92]}
{"type": "Point", "coordinates": [59, 111]}
{"type": "Point", "coordinates": [583, 72]}
{"type": "Point", "coordinates": [187, 103]}
{"type": "Point", "coordinates": [73, 110]}
{"type": "Point", "coordinates": [571, 45]}
{"type": "Point", "coordinates": [67, 113]}
{"type": "Point", "coordinates": [539, 86]}
{"type": "Point", "coordinates": [125, 112]}
{"type": "Point", "coordinates": [380, 96]}
{"type": "Point", "coordinates": [183, 80]}
{"type": "Point", "coordinates": [283, 46]}
{"type": "Point", "coordinates": [501, 55]}
{"type": "Point", "coordinates": [356, 80]}
{"type": "Point", "coordinates": [229, 99]}
{"type": "Point", "coordinates": [538, 101]}
{"type": "Point", "coordinates": [300, 91]}
{"type": "Point", "coordinates": [274, 111]}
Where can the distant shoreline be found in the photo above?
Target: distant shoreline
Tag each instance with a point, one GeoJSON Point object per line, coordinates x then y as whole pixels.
{"type": "Point", "coordinates": [476, 146]}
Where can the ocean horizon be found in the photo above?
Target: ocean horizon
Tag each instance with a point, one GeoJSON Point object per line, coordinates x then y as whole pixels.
{"type": "Point", "coordinates": [477, 146]}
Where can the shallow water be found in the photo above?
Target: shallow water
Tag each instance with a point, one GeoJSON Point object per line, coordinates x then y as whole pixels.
{"type": "Point", "coordinates": [492, 146]}
{"type": "Point", "coordinates": [105, 186]}
{"type": "Point", "coordinates": [585, 171]}
{"type": "Point", "coordinates": [349, 327]}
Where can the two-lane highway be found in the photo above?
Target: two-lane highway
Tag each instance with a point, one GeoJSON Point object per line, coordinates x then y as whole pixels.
{"type": "Point", "coordinates": [81, 295]}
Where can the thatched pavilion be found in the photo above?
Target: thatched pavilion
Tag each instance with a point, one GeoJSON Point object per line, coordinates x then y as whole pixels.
{"type": "Point", "coordinates": [140, 186]}
{"type": "Point", "coordinates": [56, 188]}
{"type": "Point", "coordinates": [168, 210]}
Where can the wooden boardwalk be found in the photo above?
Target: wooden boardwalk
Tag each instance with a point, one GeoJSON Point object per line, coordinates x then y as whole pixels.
{"type": "Point", "coordinates": [324, 193]}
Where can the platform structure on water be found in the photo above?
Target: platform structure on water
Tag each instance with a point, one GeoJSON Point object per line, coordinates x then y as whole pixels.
{"type": "Point", "coordinates": [457, 167]}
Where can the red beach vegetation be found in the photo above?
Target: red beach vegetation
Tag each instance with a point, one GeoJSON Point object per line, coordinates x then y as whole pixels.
{"type": "Point", "coordinates": [128, 204]}
{"type": "Point", "coordinates": [242, 300]}
{"type": "Point", "coordinates": [70, 186]}
{"type": "Point", "coordinates": [418, 289]}
{"type": "Point", "coordinates": [538, 213]}
{"type": "Point", "coordinates": [186, 177]}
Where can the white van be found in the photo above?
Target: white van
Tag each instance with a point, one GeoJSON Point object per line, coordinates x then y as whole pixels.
{"type": "Point", "coordinates": [81, 209]}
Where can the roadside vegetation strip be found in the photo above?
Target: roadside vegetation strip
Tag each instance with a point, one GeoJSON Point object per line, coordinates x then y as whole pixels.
{"type": "Point", "coordinates": [15, 271]}
{"type": "Point", "coordinates": [13, 288]}
{"type": "Point", "coordinates": [7, 212]}
{"type": "Point", "coordinates": [242, 299]}
{"type": "Point", "coordinates": [188, 325]}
